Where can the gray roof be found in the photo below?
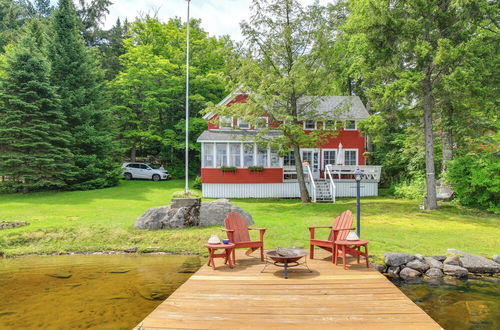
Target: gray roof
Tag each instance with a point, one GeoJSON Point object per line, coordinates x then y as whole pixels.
{"type": "Point", "coordinates": [233, 135]}
{"type": "Point", "coordinates": [335, 107]}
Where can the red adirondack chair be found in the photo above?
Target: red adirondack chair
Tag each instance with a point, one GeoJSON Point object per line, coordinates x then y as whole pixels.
{"type": "Point", "coordinates": [341, 227]}
{"type": "Point", "coordinates": [237, 232]}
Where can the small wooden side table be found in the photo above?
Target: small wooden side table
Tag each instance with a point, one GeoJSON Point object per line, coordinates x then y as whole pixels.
{"type": "Point", "coordinates": [227, 254]}
{"type": "Point", "coordinates": [352, 248]}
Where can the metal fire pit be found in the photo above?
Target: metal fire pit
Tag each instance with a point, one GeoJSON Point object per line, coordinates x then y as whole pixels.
{"type": "Point", "coordinates": [285, 258]}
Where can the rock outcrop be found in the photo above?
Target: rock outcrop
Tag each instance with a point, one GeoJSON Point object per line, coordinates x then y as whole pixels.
{"type": "Point", "coordinates": [189, 213]}
{"type": "Point", "coordinates": [475, 263]}
{"type": "Point", "coordinates": [398, 259]}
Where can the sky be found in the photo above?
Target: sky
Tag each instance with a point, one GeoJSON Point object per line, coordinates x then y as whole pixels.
{"type": "Point", "coordinates": [219, 17]}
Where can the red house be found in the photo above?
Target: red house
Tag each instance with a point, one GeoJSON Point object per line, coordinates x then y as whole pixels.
{"type": "Point", "coordinates": [261, 172]}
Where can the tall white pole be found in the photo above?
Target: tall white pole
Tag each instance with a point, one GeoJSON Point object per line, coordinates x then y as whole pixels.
{"type": "Point", "coordinates": [186, 189]}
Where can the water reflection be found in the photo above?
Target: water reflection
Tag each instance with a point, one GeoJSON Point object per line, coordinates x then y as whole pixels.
{"type": "Point", "coordinates": [454, 304]}
{"type": "Point", "coordinates": [94, 291]}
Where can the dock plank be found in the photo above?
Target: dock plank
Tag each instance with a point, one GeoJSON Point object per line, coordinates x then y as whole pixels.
{"type": "Point", "coordinates": [329, 297]}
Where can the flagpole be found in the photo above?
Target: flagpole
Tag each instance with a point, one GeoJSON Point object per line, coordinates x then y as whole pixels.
{"type": "Point", "coordinates": [186, 189]}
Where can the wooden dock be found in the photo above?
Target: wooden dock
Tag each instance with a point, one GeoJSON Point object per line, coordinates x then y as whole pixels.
{"type": "Point", "coordinates": [329, 297]}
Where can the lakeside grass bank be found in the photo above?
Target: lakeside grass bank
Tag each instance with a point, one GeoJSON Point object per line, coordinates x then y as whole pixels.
{"type": "Point", "coordinates": [102, 220]}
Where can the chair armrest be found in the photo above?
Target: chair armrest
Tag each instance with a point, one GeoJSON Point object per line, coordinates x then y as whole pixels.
{"type": "Point", "coordinates": [250, 228]}
{"type": "Point", "coordinates": [320, 227]}
{"type": "Point", "coordinates": [262, 231]}
{"type": "Point", "coordinates": [228, 230]}
{"type": "Point", "coordinates": [338, 229]}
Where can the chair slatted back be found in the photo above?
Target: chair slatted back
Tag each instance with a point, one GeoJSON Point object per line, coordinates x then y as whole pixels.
{"type": "Point", "coordinates": [344, 220]}
{"type": "Point", "coordinates": [236, 222]}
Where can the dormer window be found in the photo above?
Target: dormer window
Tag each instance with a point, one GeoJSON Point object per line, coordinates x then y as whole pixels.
{"type": "Point", "coordinates": [226, 122]}
{"type": "Point", "coordinates": [243, 124]}
{"type": "Point", "coordinates": [350, 125]}
{"type": "Point", "coordinates": [309, 124]}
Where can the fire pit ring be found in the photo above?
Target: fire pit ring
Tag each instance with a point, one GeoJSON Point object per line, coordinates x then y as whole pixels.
{"type": "Point", "coordinates": [286, 258]}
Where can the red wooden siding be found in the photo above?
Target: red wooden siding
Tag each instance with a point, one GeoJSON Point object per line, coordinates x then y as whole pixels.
{"type": "Point", "coordinates": [242, 175]}
{"type": "Point", "coordinates": [349, 140]}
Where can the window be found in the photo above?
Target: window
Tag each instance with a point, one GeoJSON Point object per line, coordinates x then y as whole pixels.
{"type": "Point", "coordinates": [350, 157]}
{"type": "Point", "coordinates": [235, 154]}
{"type": "Point", "coordinates": [261, 122]}
{"type": "Point", "coordinates": [329, 157]}
{"type": "Point", "coordinates": [329, 124]}
{"type": "Point", "coordinates": [226, 122]}
{"type": "Point", "coordinates": [133, 165]}
{"type": "Point", "coordinates": [350, 125]}
{"type": "Point", "coordinates": [289, 159]}
{"type": "Point", "coordinates": [275, 158]}
{"type": "Point", "coordinates": [262, 156]}
{"type": "Point", "coordinates": [143, 167]}
{"type": "Point", "coordinates": [243, 124]}
{"type": "Point", "coordinates": [208, 155]}
{"type": "Point", "coordinates": [221, 154]}
{"type": "Point", "coordinates": [309, 124]}
{"type": "Point", "coordinates": [248, 154]}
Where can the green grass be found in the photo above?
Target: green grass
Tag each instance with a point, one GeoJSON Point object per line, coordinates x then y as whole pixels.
{"type": "Point", "coordinates": [98, 220]}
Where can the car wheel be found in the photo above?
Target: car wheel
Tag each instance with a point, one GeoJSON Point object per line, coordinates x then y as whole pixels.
{"type": "Point", "coordinates": [156, 177]}
{"type": "Point", "coordinates": [128, 176]}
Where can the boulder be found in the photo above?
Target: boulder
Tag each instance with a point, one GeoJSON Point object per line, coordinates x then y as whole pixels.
{"type": "Point", "coordinates": [214, 213]}
{"type": "Point", "coordinates": [398, 259]}
{"type": "Point", "coordinates": [455, 271]}
{"type": "Point", "coordinates": [475, 263]}
{"type": "Point", "coordinates": [152, 218]}
{"type": "Point", "coordinates": [419, 257]}
{"type": "Point", "coordinates": [434, 273]}
{"type": "Point", "coordinates": [380, 268]}
{"type": "Point", "coordinates": [496, 257]}
{"type": "Point", "coordinates": [453, 260]}
{"type": "Point", "coordinates": [189, 213]}
{"type": "Point", "coordinates": [440, 258]}
{"type": "Point", "coordinates": [418, 265]}
{"type": "Point", "coordinates": [409, 273]}
{"type": "Point", "coordinates": [393, 271]}
{"type": "Point", "coordinates": [433, 263]}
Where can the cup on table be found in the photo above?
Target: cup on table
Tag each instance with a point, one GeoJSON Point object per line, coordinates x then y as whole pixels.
{"type": "Point", "coordinates": [225, 241]}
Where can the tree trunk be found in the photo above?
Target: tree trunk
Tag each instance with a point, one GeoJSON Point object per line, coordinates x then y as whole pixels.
{"type": "Point", "coordinates": [132, 153]}
{"type": "Point", "coordinates": [430, 178]}
{"type": "Point", "coordinates": [304, 193]}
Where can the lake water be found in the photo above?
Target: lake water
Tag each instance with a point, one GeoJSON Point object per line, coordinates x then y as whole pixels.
{"type": "Point", "coordinates": [118, 291]}
{"type": "Point", "coordinates": [471, 304]}
{"type": "Point", "coordinates": [87, 291]}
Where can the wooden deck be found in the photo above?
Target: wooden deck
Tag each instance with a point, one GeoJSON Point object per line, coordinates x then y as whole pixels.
{"type": "Point", "coordinates": [329, 297]}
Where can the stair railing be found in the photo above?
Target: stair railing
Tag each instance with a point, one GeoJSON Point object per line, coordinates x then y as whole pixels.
{"type": "Point", "coordinates": [313, 184]}
{"type": "Point", "coordinates": [333, 189]}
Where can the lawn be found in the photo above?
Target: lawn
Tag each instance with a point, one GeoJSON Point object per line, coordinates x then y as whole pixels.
{"type": "Point", "coordinates": [98, 220]}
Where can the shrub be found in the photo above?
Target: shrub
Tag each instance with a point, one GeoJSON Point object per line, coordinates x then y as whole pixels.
{"type": "Point", "coordinates": [414, 189]}
{"type": "Point", "coordinates": [182, 194]}
{"type": "Point", "coordinates": [197, 183]}
{"type": "Point", "coordinates": [476, 179]}
{"type": "Point", "coordinates": [228, 169]}
{"type": "Point", "coordinates": [256, 168]}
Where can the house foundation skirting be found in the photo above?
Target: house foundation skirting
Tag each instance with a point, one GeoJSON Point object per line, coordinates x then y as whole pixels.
{"type": "Point", "coordinates": [344, 188]}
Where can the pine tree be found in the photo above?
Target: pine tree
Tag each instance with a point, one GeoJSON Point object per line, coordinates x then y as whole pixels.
{"type": "Point", "coordinates": [79, 80]}
{"type": "Point", "coordinates": [33, 141]}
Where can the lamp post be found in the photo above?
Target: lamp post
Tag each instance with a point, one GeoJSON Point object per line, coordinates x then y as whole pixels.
{"type": "Point", "coordinates": [186, 165]}
{"type": "Point", "coordinates": [358, 176]}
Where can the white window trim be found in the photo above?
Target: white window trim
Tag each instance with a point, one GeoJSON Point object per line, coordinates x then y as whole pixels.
{"type": "Point", "coordinates": [357, 155]}
{"type": "Point", "coordinates": [351, 129]}
{"type": "Point", "coordinates": [309, 129]}
{"type": "Point", "coordinates": [221, 119]}
{"type": "Point", "coordinates": [238, 123]}
{"type": "Point", "coordinates": [267, 121]}
{"type": "Point", "coordinates": [330, 129]}
{"type": "Point", "coordinates": [323, 156]}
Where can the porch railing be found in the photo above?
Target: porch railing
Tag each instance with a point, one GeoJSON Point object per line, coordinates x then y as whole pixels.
{"type": "Point", "coordinates": [332, 184]}
{"type": "Point", "coordinates": [372, 172]}
{"type": "Point", "coordinates": [311, 180]}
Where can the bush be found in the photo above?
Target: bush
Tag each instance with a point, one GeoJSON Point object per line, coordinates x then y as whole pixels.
{"type": "Point", "coordinates": [414, 189]}
{"type": "Point", "coordinates": [182, 194]}
{"type": "Point", "coordinates": [197, 183]}
{"type": "Point", "coordinates": [476, 180]}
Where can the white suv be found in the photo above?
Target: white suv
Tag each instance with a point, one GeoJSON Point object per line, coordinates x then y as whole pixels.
{"type": "Point", "coordinates": [135, 170]}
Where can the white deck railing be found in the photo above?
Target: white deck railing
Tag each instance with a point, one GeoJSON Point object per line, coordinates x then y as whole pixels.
{"type": "Point", "coordinates": [332, 184]}
{"type": "Point", "coordinates": [371, 172]}
{"type": "Point", "coordinates": [313, 184]}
